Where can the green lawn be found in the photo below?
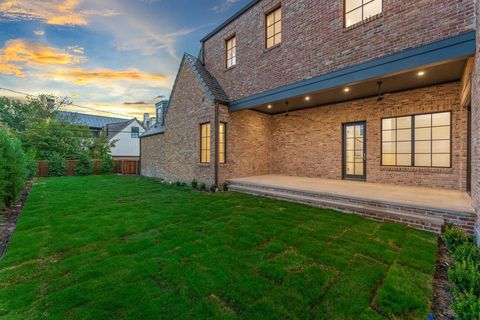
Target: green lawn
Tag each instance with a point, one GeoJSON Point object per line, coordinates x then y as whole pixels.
{"type": "Point", "coordinates": [131, 248]}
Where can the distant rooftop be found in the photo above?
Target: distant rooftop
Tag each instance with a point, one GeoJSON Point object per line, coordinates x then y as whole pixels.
{"type": "Point", "coordinates": [91, 120]}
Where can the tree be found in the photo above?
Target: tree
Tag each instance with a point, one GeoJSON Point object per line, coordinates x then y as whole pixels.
{"type": "Point", "coordinates": [36, 122]}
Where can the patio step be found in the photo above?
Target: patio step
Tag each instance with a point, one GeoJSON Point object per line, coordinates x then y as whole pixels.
{"type": "Point", "coordinates": [420, 218]}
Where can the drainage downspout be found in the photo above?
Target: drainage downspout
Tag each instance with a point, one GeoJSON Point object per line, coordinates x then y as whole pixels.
{"type": "Point", "coordinates": [216, 121]}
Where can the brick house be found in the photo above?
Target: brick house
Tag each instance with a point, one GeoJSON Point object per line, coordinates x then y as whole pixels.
{"type": "Point", "coordinates": [369, 94]}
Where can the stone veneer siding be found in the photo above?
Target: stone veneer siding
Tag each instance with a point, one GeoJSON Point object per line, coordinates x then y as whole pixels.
{"type": "Point", "coordinates": [314, 40]}
{"type": "Point", "coordinates": [174, 155]}
{"type": "Point", "coordinates": [309, 143]}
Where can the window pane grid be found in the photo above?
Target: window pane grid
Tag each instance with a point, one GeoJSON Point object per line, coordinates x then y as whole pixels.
{"type": "Point", "coordinates": [361, 11]}
{"type": "Point", "coordinates": [274, 28]}
{"type": "Point", "coordinates": [430, 144]}
{"type": "Point", "coordinates": [205, 143]}
{"type": "Point", "coordinates": [222, 142]}
{"type": "Point", "coordinates": [354, 150]}
{"type": "Point", "coordinates": [231, 52]}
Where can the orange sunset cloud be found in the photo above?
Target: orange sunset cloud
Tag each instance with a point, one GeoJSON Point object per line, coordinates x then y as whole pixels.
{"type": "Point", "coordinates": [20, 52]}
{"type": "Point", "coordinates": [81, 76]}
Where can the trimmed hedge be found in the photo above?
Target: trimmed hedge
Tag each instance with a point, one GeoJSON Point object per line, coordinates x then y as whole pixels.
{"type": "Point", "coordinates": [465, 273]}
{"type": "Point", "coordinates": [14, 168]}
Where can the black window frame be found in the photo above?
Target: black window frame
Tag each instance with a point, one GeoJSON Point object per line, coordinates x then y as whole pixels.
{"type": "Point", "coordinates": [362, 6]}
{"type": "Point", "coordinates": [413, 140]}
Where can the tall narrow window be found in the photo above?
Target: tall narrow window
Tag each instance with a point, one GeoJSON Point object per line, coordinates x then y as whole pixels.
{"type": "Point", "coordinates": [358, 10]}
{"type": "Point", "coordinates": [135, 132]}
{"type": "Point", "coordinates": [205, 143]}
{"type": "Point", "coordinates": [427, 137]}
{"type": "Point", "coordinates": [274, 28]}
{"type": "Point", "coordinates": [397, 141]}
{"type": "Point", "coordinates": [432, 140]}
{"type": "Point", "coordinates": [222, 142]}
{"type": "Point", "coordinates": [231, 52]}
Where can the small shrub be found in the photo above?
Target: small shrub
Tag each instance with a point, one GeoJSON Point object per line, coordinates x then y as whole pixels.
{"type": "Point", "coordinates": [467, 306]}
{"type": "Point", "coordinates": [84, 166]}
{"type": "Point", "coordinates": [225, 186]}
{"type": "Point", "coordinates": [56, 165]}
{"type": "Point", "coordinates": [108, 165]}
{"type": "Point", "coordinates": [194, 184]}
{"type": "Point", "coordinates": [454, 237]}
{"type": "Point", "coordinates": [31, 164]}
{"type": "Point", "coordinates": [203, 186]}
{"type": "Point", "coordinates": [465, 275]}
{"type": "Point", "coordinates": [467, 251]}
{"type": "Point", "coordinates": [213, 188]}
{"type": "Point", "coordinates": [178, 183]}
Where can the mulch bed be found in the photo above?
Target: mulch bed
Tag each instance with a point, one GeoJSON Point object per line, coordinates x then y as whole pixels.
{"type": "Point", "coordinates": [10, 218]}
{"type": "Point", "coordinates": [442, 293]}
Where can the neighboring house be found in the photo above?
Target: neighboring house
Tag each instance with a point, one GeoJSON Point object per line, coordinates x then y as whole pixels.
{"type": "Point", "coordinates": [95, 123]}
{"type": "Point", "coordinates": [126, 136]}
{"type": "Point", "coordinates": [124, 132]}
{"type": "Point", "coordinates": [377, 91]}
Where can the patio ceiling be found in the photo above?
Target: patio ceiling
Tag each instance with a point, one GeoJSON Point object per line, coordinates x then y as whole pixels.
{"type": "Point", "coordinates": [409, 79]}
{"type": "Point", "coordinates": [441, 61]}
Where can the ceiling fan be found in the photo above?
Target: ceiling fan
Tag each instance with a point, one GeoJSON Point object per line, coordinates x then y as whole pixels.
{"type": "Point", "coordinates": [287, 112]}
{"type": "Point", "coordinates": [380, 94]}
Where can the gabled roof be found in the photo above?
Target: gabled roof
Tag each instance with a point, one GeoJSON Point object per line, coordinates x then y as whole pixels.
{"type": "Point", "coordinates": [231, 19]}
{"type": "Point", "coordinates": [156, 129]}
{"type": "Point", "coordinates": [89, 120]}
{"type": "Point", "coordinates": [209, 83]}
{"type": "Point", "coordinates": [115, 128]}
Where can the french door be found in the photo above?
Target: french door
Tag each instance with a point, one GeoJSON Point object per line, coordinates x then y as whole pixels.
{"type": "Point", "coordinates": [354, 151]}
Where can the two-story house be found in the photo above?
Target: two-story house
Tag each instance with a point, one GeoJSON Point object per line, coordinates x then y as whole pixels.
{"type": "Point", "coordinates": [365, 106]}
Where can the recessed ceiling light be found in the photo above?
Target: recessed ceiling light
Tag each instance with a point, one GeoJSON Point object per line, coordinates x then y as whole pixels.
{"type": "Point", "coordinates": [346, 89]}
{"type": "Point", "coordinates": [307, 98]}
{"type": "Point", "coordinates": [269, 106]}
{"type": "Point", "coordinates": [421, 73]}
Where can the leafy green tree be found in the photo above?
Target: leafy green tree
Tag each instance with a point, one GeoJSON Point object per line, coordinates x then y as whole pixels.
{"type": "Point", "coordinates": [43, 132]}
{"type": "Point", "coordinates": [13, 168]}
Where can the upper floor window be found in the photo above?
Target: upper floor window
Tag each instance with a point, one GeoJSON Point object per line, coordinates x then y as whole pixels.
{"type": "Point", "coordinates": [135, 132]}
{"type": "Point", "coordinates": [274, 28]}
{"type": "Point", "coordinates": [359, 10]}
{"type": "Point", "coordinates": [231, 52]}
{"type": "Point", "coordinates": [420, 141]}
{"type": "Point", "coordinates": [205, 143]}
{"type": "Point", "coordinates": [160, 119]}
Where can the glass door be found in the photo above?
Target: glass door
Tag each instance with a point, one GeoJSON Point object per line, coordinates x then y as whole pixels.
{"type": "Point", "coordinates": [354, 151]}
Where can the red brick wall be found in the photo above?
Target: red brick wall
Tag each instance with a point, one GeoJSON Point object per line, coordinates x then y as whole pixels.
{"type": "Point", "coordinates": [315, 42]}
{"type": "Point", "coordinates": [174, 155]}
{"type": "Point", "coordinates": [309, 144]}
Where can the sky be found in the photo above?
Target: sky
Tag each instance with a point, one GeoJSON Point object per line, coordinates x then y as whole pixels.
{"type": "Point", "coordinates": [120, 56]}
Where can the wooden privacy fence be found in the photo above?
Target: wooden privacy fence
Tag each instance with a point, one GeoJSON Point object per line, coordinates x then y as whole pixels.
{"type": "Point", "coordinates": [130, 167]}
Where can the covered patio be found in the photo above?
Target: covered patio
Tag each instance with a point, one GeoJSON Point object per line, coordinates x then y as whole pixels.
{"type": "Point", "coordinates": [423, 208]}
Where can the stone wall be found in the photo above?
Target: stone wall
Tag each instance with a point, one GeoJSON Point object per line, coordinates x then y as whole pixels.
{"type": "Point", "coordinates": [314, 40]}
